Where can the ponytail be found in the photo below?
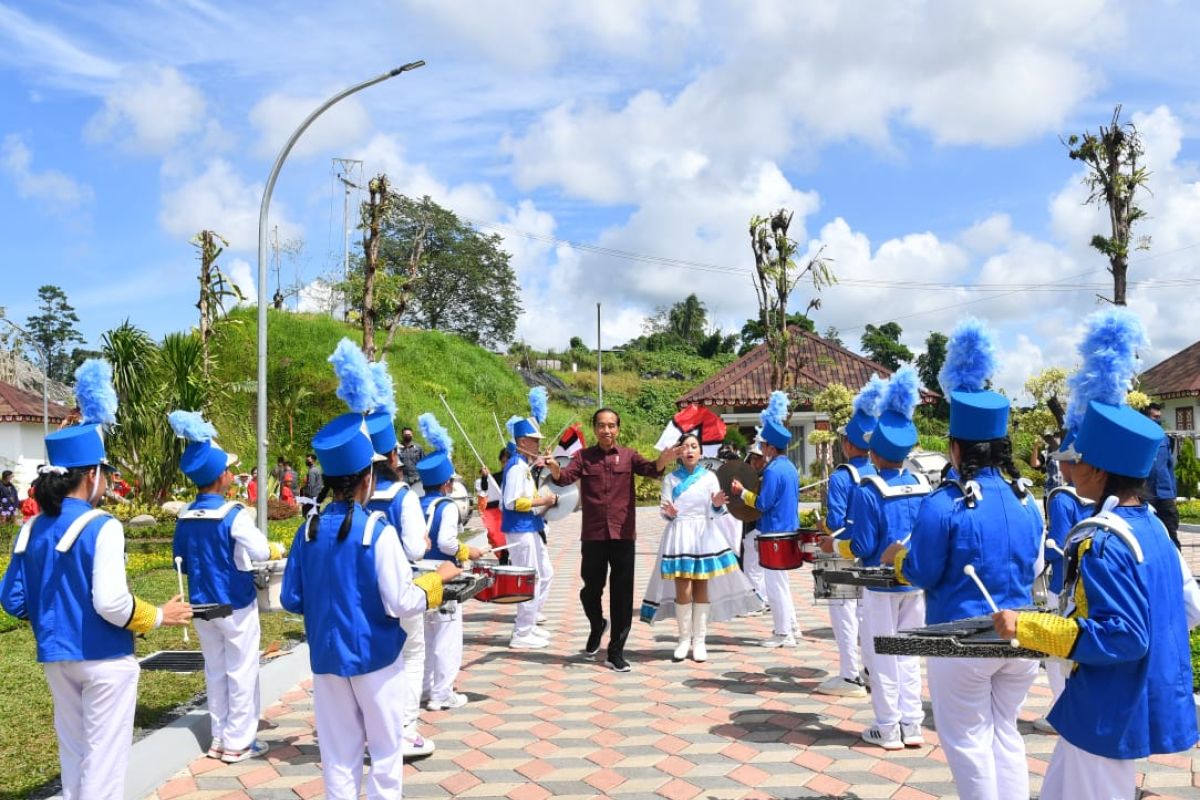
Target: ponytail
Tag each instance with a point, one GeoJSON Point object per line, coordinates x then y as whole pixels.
{"type": "Point", "coordinates": [342, 488]}
{"type": "Point", "coordinates": [977, 455]}
{"type": "Point", "coordinates": [51, 487]}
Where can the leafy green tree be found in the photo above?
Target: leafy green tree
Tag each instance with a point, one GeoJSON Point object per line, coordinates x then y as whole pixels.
{"type": "Point", "coordinates": [52, 331]}
{"type": "Point", "coordinates": [929, 363]}
{"type": "Point", "coordinates": [753, 332]}
{"type": "Point", "coordinates": [1113, 178]}
{"type": "Point", "coordinates": [833, 336]}
{"type": "Point", "coordinates": [837, 402]}
{"type": "Point", "coordinates": [1187, 469]}
{"type": "Point", "coordinates": [882, 345]}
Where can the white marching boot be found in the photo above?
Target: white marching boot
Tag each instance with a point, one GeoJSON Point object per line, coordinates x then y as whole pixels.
{"type": "Point", "coordinates": [699, 631]}
{"type": "Point", "coordinates": [683, 616]}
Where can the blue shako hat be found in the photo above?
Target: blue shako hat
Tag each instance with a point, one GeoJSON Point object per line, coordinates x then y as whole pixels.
{"type": "Point", "coordinates": [435, 468]}
{"type": "Point", "coordinates": [866, 409]}
{"type": "Point", "coordinates": [976, 413]}
{"type": "Point", "coordinates": [343, 446]}
{"type": "Point", "coordinates": [774, 422]}
{"type": "Point", "coordinates": [895, 434]}
{"type": "Point", "coordinates": [539, 406]}
{"type": "Point", "coordinates": [82, 445]}
{"type": "Point", "coordinates": [381, 421]}
{"type": "Point", "coordinates": [203, 460]}
{"type": "Point", "coordinates": [1112, 436]}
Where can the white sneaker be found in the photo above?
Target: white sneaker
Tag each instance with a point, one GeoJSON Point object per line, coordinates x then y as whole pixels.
{"type": "Point", "coordinates": [455, 700]}
{"type": "Point", "coordinates": [216, 749]}
{"type": "Point", "coordinates": [911, 734]}
{"type": "Point", "coordinates": [779, 640]}
{"type": "Point", "coordinates": [527, 642]}
{"type": "Point", "coordinates": [1042, 725]}
{"type": "Point", "coordinates": [888, 740]}
{"type": "Point", "coordinates": [540, 633]}
{"type": "Point", "coordinates": [842, 687]}
{"type": "Point", "coordinates": [541, 619]}
{"type": "Point", "coordinates": [414, 745]}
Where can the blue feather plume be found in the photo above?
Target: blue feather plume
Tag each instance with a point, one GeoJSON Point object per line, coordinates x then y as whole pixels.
{"type": "Point", "coordinates": [1109, 351]}
{"type": "Point", "coordinates": [384, 396]}
{"type": "Point", "coordinates": [434, 433]}
{"type": "Point", "coordinates": [970, 358]}
{"type": "Point", "coordinates": [903, 392]}
{"type": "Point", "coordinates": [356, 386]}
{"type": "Point", "coordinates": [777, 408]}
{"type": "Point", "coordinates": [870, 398]}
{"type": "Point", "coordinates": [539, 403]}
{"type": "Point", "coordinates": [94, 392]}
{"type": "Point", "coordinates": [192, 426]}
{"type": "Point", "coordinates": [511, 426]}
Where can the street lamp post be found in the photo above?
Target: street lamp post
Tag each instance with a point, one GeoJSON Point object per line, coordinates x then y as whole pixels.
{"type": "Point", "coordinates": [261, 507]}
{"type": "Point", "coordinates": [42, 354]}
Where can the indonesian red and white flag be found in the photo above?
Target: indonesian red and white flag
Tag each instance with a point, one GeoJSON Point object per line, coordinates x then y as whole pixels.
{"type": "Point", "coordinates": [697, 419]}
{"type": "Point", "coordinates": [571, 442]}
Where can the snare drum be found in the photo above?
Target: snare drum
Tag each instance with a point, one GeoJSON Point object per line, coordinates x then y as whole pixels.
{"type": "Point", "coordinates": [268, 581]}
{"type": "Point", "coordinates": [810, 544]}
{"type": "Point", "coordinates": [509, 584]}
{"type": "Point", "coordinates": [779, 550]}
{"type": "Point", "coordinates": [822, 589]}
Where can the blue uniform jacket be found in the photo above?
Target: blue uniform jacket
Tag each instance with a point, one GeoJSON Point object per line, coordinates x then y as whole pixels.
{"type": "Point", "coordinates": [1130, 694]}
{"type": "Point", "coordinates": [206, 547]}
{"type": "Point", "coordinates": [841, 487]}
{"type": "Point", "coordinates": [875, 521]}
{"type": "Point", "coordinates": [778, 497]}
{"type": "Point", "coordinates": [1001, 536]}
{"type": "Point", "coordinates": [1161, 483]}
{"type": "Point", "coordinates": [518, 521]}
{"type": "Point", "coordinates": [1065, 509]}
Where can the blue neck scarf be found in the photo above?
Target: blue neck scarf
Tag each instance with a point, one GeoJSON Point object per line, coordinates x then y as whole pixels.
{"type": "Point", "coordinates": [686, 479]}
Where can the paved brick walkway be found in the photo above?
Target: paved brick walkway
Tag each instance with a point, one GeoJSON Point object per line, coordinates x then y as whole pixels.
{"type": "Point", "coordinates": [551, 723]}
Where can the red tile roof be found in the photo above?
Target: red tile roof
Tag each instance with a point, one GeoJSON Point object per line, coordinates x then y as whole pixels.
{"type": "Point", "coordinates": [1178, 376]}
{"type": "Point", "coordinates": [746, 382]}
{"type": "Point", "coordinates": [18, 405]}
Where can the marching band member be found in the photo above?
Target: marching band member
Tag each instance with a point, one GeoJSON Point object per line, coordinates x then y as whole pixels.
{"type": "Point", "coordinates": [490, 495]}
{"type": "Point", "coordinates": [347, 575]}
{"type": "Point", "coordinates": [67, 579]}
{"type": "Point", "coordinates": [882, 511]}
{"type": "Point", "coordinates": [521, 526]}
{"type": "Point", "coordinates": [443, 631]}
{"type": "Point", "coordinates": [1129, 597]}
{"type": "Point", "coordinates": [396, 499]}
{"type": "Point", "coordinates": [750, 563]}
{"type": "Point", "coordinates": [216, 544]}
{"type": "Point", "coordinates": [778, 499]}
{"type": "Point", "coordinates": [995, 525]}
{"type": "Point", "coordinates": [844, 614]}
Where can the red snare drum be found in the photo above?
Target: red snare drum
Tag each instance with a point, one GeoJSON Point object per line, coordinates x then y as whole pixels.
{"type": "Point", "coordinates": [509, 584]}
{"type": "Point", "coordinates": [810, 544]}
{"type": "Point", "coordinates": [779, 550]}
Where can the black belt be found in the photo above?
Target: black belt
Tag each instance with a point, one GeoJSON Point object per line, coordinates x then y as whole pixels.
{"type": "Point", "coordinates": [493, 504]}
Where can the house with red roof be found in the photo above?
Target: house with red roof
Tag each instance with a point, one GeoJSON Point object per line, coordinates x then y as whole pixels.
{"type": "Point", "coordinates": [22, 441]}
{"type": "Point", "coordinates": [1175, 383]}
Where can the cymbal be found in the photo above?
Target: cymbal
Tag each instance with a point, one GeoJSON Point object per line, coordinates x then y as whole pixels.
{"type": "Point", "coordinates": [749, 478]}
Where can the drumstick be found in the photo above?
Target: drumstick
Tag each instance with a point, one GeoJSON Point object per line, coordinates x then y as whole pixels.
{"type": "Point", "coordinates": [969, 571]}
{"type": "Point", "coordinates": [466, 438]}
{"type": "Point", "coordinates": [498, 549]}
{"type": "Point", "coordinates": [499, 430]}
{"type": "Point", "coordinates": [179, 574]}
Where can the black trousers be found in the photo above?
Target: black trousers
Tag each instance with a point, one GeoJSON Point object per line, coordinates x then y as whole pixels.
{"type": "Point", "coordinates": [610, 561]}
{"type": "Point", "coordinates": [1168, 513]}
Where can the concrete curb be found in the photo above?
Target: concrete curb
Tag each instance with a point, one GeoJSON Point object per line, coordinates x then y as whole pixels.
{"type": "Point", "coordinates": [155, 758]}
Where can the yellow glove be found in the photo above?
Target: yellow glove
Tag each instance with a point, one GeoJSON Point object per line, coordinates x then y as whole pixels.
{"type": "Point", "coordinates": [276, 550]}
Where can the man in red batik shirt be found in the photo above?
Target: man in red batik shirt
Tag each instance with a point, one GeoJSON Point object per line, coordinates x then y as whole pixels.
{"type": "Point", "coordinates": [605, 472]}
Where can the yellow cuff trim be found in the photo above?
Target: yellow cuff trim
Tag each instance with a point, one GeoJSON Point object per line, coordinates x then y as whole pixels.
{"type": "Point", "coordinates": [749, 497]}
{"type": "Point", "coordinates": [431, 584]}
{"type": "Point", "coordinates": [898, 565]}
{"type": "Point", "coordinates": [523, 504]}
{"type": "Point", "coordinates": [275, 549]}
{"type": "Point", "coordinates": [144, 616]}
{"type": "Point", "coordinates": [843, 548]}
{"type": "Point", "coordinates": [463, 553]}
{"type": "Point", "coordinates": [1048, 633]}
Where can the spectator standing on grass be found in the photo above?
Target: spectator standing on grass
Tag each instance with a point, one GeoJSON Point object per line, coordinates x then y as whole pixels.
{"type": "Point", "coordinates": [1161, 483]}
{"type": "Point", "coordinates": [10, 501]}
{"type": "Point", "coordinates": [410, 454]}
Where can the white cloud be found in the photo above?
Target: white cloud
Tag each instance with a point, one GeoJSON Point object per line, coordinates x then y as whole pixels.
{"type": "Point", "coordinates": [219, 199]}
{"type": "Point", "coordinates": [57, 191]}
{"type": "Point", "coordinates": [148, 111]}
{"type": "Point", "coordinates": [245, 278]}
{"type": "Point", "coordinates": [276, 116]}
{"type": "Point", "coordinates": [36, 46]}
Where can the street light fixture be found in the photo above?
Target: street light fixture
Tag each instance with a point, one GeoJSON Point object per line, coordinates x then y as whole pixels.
{"type": "Point", "coordinates": [45, 381]}
{"type": "Point", "coordinates": [261, 507]}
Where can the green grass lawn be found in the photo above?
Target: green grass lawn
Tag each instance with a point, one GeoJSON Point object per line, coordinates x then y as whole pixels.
{"type": "Point", "coordinates": [28, 749]}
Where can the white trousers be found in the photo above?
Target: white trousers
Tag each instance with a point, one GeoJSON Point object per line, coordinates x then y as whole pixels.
{"type": "Point", "coordinates": [444, 653]}
{"type": "Point", "coordinates": [528, 550]}
{"type": "Point", "coordinates": [414, 665]}
{"type": "Point", "coordinates": [779, 595]}
{"type": "Point", "coordinates": [895, 680]}
{"type": "Point", "coordinates": [975, 706]}
{"type": "Point", "coordinates": [93, 717]}
{"type": "Point", "coordinates": [350, 711]}
{"type": "Point", "coordinates": [230, 647]}
{"type": "Point", "coordinates": [1077, 773]}
{"type": "Point", "coordinates": [843, 618]}
{"type": "Point", "coordinates": [751, 566]}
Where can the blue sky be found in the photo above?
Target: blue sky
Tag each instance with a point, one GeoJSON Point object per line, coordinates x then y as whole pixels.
{"type": "Point", "coordinates": [918, 142]}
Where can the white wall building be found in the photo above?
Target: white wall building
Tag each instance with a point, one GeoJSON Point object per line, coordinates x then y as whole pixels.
{"type": "Point", "coordinates": [22, 443]}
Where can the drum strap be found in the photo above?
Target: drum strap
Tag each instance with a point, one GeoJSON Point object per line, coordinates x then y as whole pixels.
{"type": "Point", "coordinates": [76, 528]}
{"type": "Point", "coordinates": [23, 536]}
{"type": "Point", "coordinates": [430, 513]}
{"type": "Point", "coordinates": [854, 476]}
{"type": "Point", "coordinates": [390, 492]}
{"type": "Point", "coordinates": [918, 489]}
{"type": "Point", "coordinates": [1083, 501]}
{"type": "Point", "coordinates": [1083, 531]}
{"type": "Point", "coordinates": [220, 512]}
{"type": "Point", "coordinates": [373, 520]}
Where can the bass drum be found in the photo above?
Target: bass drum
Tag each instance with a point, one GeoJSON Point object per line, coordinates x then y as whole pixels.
{"type": "Point", "coordinates": [741, 471]}
{"type": "Point", "coordinates": [712, 464]}
{"type": "Point", "coordinates": [463, 499]}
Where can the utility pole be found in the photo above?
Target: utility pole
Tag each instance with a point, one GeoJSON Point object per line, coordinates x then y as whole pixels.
{"type": "Point", "coordinates": [277, 300]}
{"type": "Point", "coordinates": [347, 167]}
{"type": "Point", "coordinates": [599, 362]}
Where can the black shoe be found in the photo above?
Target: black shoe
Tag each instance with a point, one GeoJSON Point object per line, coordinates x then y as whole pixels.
{"type": "Point", "coordinates": [593, 643]}
{"type": "Point", "coordinates": [617, 663]}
